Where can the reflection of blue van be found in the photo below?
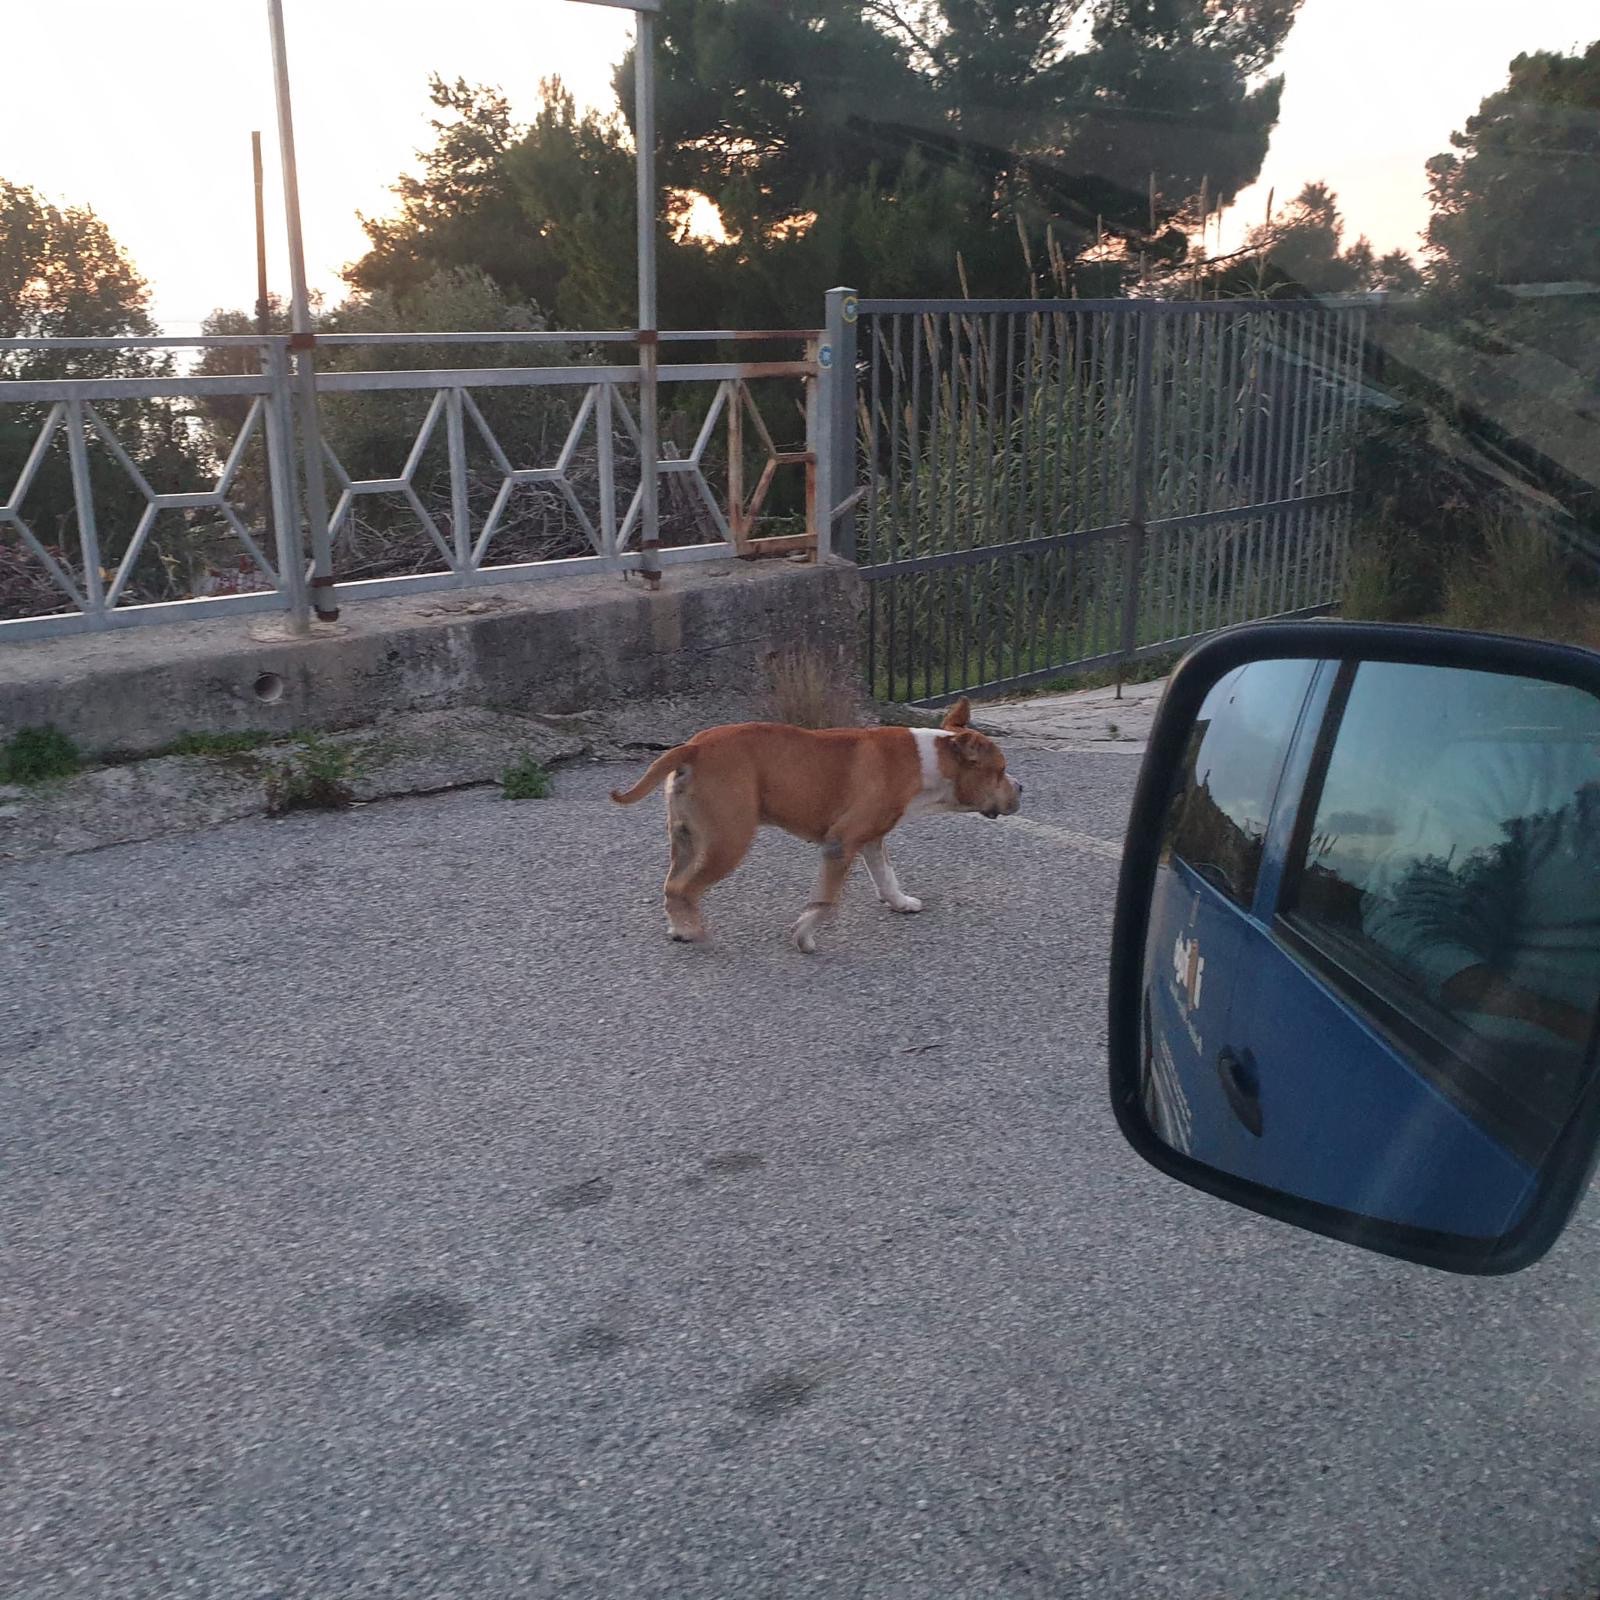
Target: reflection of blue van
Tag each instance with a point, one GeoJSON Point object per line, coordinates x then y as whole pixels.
{"type": "Point", "coordinates": [1315, 1018]}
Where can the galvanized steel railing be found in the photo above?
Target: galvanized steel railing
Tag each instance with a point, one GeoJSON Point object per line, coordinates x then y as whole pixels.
{"type": "Point", "coordinates": [92, 587]}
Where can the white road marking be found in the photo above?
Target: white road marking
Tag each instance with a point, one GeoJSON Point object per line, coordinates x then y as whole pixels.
{"type": "Point", "coordinates": [1070, 837]}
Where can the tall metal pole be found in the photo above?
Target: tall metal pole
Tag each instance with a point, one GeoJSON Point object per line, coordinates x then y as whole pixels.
{"type": "Point", "coordinates": [301, 339]}
{"type": "Point", "coordinates": [644, 134]}
{"type": "Point", "coordinates": [263, 320]}
{"type": "Point", "coordinates": [280, 471]}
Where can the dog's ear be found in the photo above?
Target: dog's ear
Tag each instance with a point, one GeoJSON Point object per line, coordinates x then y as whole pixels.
{"type": "Point", "coordinates": [966, 745]}
{"type": "Point", "coordinates": [958, 714]}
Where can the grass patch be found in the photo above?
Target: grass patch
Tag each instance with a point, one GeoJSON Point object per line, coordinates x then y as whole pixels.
{"type": "Point", "coordinates": [1386, 577]}
{"type": "Point", "coordinates": [525, 779]}
{"type": "Point", "coordinates": [1520, 582]}
{"type": "Point", "coordinates": [218, 744]}
{"type": "Point", "coordinates": [315, 777]}
{"type": "Point", "coordinates": [36, 755]}
{"type": "Point", "coordinates": [813, 687]}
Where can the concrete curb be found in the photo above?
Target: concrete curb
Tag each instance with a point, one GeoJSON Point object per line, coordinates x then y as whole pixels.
{"type": "Point", "coordinates": [424, 752]}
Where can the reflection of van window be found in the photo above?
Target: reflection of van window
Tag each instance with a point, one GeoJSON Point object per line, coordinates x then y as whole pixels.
{"type": "Point", "coordinates": [1217, 818]}
{"type": "Point", "coordinates": [1452, 875]}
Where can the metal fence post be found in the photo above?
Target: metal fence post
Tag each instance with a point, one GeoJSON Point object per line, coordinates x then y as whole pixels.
{"type": "Point", "coordinates": [94, 584]}
{"type": "Point", "coordinates": [302, 341]}
{"type": "Point", "coordinates": [836, 438]}
{"type": "Point", "coordinates": [644, 139]}
{"type": "Point", "coordinates": [605, 466]}
{"type": "Point", "coordinates": [1139, 489]}
{"type": "Point", "coordinates": [460, 508]}
{"type": "Point", "coordinates": [280, 476]}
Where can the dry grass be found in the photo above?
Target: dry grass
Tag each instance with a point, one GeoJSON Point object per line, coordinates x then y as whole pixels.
{"type": "Point", "coordinates": [1520, 582]}
{"type": "Point", "coordinates": [814, 687]}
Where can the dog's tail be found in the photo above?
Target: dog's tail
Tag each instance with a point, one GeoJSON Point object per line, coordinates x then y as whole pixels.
{"type": "Point", "coordinates": [659, 770]}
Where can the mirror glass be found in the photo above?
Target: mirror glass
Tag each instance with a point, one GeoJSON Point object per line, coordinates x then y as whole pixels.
{"type": "Point", "coordinates": [1372, 967]}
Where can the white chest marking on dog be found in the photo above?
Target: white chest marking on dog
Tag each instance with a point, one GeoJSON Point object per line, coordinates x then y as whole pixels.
{"type": "Point", "coordinates": [935, 791]}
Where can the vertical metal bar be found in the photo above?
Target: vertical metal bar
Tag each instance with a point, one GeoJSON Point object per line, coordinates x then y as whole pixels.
{"type": "Point", "coordinates": [1238, 465]}
{"type": "Point", "coordinates": [1217, 496]}
{"type": "Point", "coordinates": [1182, 544]}
{"type": "Point", "coordinates": [1188, 546]}
{"type": "Point", "coordinates": [460, 509]}
{"type": "Point", "coordinates": [280, 479]}
{"type": "Point", "coordinates": [1072, 326]}
{"type": "Point", "coordinates": [1263, 412]}
{"type": "Point", "coordinates": [1290, 464]}
{"type": "Point", "coordinates": [1005, 621]}
{"type": "Point", "coordinates": [644, 142]}
{"type": "Point", "coordinates": [916, 587]}
{"type": "Point", "coordinates": [1058, 447]}
{"type": "Point", "coordinates": [969, 444]}
{"type": "Point", "coordinates": [94, 585]}
{"type": "Point", "coordinates": [992, 489]}
{"type": "Point", "coordinates": [835, 444]}
{"type": "Point", "coordinates": [605, 467]}
{"type": "Point", "coordinates": [937, 489]}
{"type": "Point", "coordinates": [875, 407]}
{"type": "Point", "coordinates": [875, 403]}
{"type": "Point", "coordinates": [738, 523]}
{"type": "Point", "coordinates": [1283, 437]}
{"type": "Point", "coordinates": [263, 311]}
{"type": "Point", "coordinates": [302, 340]}
{"type": "Point", "coordinates": [1317, 465]}
{"type": "Point", "coordinates": [892, 595]}
{"type": "Point", "coordinates": [953, 422]}
{"type": "Point", "coordinates": [1027, 524]}
{"type": "Point", "coordinates": [894, 439]}
{"type": "Point", "coordinates": [1008, 449]}
{"type": "Point", "coordinates": [1356, 378]}
{"type": "Point", "coordinates": [1296, 487]}
{"type": "Point", "coordinates": [1171, 426]}
{"type": "Point", "coordinates": [1140, 468]}
{"type": "Point", "coordinates": [914, 439]}
{"type": "Point", "coordinates": [1099, 408]}
{"type": "Point", "coordinates": [811, 385]}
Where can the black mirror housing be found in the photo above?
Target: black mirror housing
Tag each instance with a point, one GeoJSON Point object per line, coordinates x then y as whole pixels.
{"type": "Point", "coordinates": [1302, 1021]}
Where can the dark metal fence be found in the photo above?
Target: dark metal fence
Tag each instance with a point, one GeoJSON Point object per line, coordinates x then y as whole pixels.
{"type": "Point", "coordinates": [1051, 486]}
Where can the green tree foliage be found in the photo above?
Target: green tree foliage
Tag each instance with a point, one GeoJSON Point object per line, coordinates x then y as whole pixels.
{"type": "Point", "coordinates": [921, 144]}
{"type": "Point", "coordinates": [1517, 198]}
{"type": "Point", "coordinates": [1302, 250]}
{"type": "Point", "coordinates": [1299, 250]}
{"type": "Point", "coordinates": [63, 275]}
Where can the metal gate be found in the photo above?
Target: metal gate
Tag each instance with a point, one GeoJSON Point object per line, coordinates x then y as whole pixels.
{"type": "Point", "coordinates": [1050, 486]}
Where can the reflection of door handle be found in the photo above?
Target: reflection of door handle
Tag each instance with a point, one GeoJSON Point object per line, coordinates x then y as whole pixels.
{"type": "Point", "coordinates": [1242, 1087]}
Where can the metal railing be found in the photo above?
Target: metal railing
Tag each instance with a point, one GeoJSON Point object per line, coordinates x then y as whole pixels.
{"type": "Point", "coordinates": [447, 509]}
{"type": "Point", "coordinates": [1051, 486]}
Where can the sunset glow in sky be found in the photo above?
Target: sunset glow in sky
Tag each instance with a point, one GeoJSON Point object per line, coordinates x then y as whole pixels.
{"type": "Point", "coordinates": [144, 110]}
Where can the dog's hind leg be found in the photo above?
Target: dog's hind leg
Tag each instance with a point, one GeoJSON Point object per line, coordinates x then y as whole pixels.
{"type": "Point", "coordinates": [701, 856]}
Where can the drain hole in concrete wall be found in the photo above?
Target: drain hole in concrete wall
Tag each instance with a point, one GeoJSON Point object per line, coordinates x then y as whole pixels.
{"type": "Point", "coordinates": [269, 688]}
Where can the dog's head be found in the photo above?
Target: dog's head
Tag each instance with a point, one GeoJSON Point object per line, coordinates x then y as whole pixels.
{"type": "Point", "coordinates": [976, 769]}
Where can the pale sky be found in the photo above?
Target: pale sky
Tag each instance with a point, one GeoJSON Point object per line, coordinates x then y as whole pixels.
{"type": "Point", "coordinates": [143, 109]}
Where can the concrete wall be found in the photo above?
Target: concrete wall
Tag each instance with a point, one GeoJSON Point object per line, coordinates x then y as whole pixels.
{"type": "Point", "coordinates": [555, 647]}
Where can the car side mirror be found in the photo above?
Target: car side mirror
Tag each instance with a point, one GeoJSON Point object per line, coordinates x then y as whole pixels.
{"type": "Point", "coordinates": [1355, 974]}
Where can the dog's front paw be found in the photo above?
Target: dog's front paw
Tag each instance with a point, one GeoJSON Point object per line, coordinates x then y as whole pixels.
{"type": "Point", "coordinates": [804, 934]}
{"type": "Point", "coordinates": [908, 905]}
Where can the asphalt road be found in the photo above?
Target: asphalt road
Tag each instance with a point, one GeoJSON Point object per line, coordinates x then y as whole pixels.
{"type": "Point", "coordinates": [387, 1208]}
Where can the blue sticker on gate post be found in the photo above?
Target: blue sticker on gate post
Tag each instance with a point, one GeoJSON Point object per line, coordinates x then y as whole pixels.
{"type": "Point", "coordinates": [849, 308]}
{"type": "Point", "coordinates": [825, 356]}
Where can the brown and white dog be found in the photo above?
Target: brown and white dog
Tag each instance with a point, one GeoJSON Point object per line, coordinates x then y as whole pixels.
{"type": "Point", "coordinates": [842, 788]}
